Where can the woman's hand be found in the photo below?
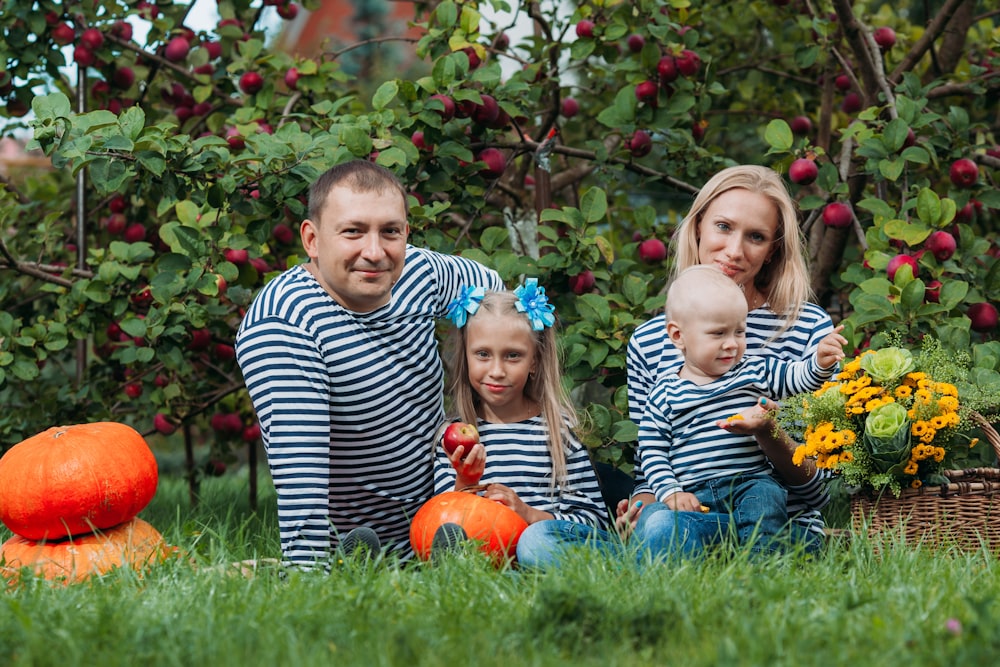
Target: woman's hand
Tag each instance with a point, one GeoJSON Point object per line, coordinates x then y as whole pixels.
{"type": "Point", "coordinates": [627, 513]}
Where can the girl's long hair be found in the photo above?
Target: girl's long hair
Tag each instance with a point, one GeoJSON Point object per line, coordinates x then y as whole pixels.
{"type": "Point", "coordinates": [784, 278]}
{"type": "Point", "coordinates": [544, 387]}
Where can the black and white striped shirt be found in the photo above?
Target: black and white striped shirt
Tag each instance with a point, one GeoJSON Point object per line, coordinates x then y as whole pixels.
{"type": "Point", "coordinates": [650, 353]}
{"type": "Point", "coordinates": [349, 402]}
{"type": "Point", "coordinates": [517, 456]}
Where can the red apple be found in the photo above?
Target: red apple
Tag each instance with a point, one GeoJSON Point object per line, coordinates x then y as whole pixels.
{"type": "Point", "coordinates": [851, 104]}
{"type": "Point", "coordinates": [177, 49]}
{"type": "Point", "coordinates": [83, 56]}
{"type": "Point", "coordinates": [117, 204]}
{"type": "Point", "coordinates": [122, 30]}
{"type": "Point", "coordinates": [237, 257]}
{"type": "Point", "coordinates": [92, 38]}
{"type": "Point", "coordinates": [123, 77]}
{"type": "Point", "coordinates": [898, 261]}
{"type": "Point", "coordinates": [215, 468]}
{"type": "Point", "coordinates": [837, 214]}
{"type": "Point", "coordinates": [200, 340]}
{"type": "Point", "coordinates": [803, 171]}
{"type": "Point", "coordinates": [448, 112]}
{"type": "Point", "coordinates": [224, 352]}
{"type": "Point", "coordinates": [842, 82]}
{"type": "Point", "coordinates": [163, 424]}
{"type": "Point", "coordinates": [486, 112]}
{"type": "Point", "coordinates": [251, 433]}
{"type": "Point", "coordinates": [495, 161]}
{"type": "Point", "coordinates": [474, 60]}
{"type": "Point", "coordinates": [63, 34]}
{"type": "Point", "coordinates": [582, 282]}
{"type": "Point", "coordinates": [667, 69]}
{"type": "Point", "coordinates": [941, 244]}
{"type": "Point", "coordinates": [288, 11]}
{"type": "Point", "coordinates": [964, 173]}
{"type": "Point", "coordinates": [459, 434]}
{"type": "Point", "coordinates": [635, 43]}
{"type": "Point", "coordinates": [652, 251]}
{"type": "Point", "coordinates": [251, 82]}
{"type": "Point", "coordinates": [570, 107]}
{"type": "Point", "coordinates": [932, 291]}
{"type": "Point", "coordinates": [983, 316]}
{"type": "Point", "coordinates": [135, 232]}
{"type": "Point", "coordinates": [640, 144]}
{"type": "Point", "coordinates": [235, 139]}
{"type": "Point", "coordinates": [688, 63]}
{"type": "Point", "coordinates": [283, 233]}
{"type": "Point", "coordinates": [585, 29]}
{"type": "Point", "coordinates": [501, 42]}
{"type": "Point", "coordinates": [646, 92]}
{"type": "Point", "coordinates": [885, 37]}
{"type": "Point", "coordinates": [292, 77]}
{"type": "Point", "coordinates": [801, 125]}
{"type": "Point", "coordinates": [133, 389]}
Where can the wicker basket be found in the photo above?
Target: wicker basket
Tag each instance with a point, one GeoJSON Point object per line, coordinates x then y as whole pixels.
{"type": "Point", "coordinates": [963, 513]}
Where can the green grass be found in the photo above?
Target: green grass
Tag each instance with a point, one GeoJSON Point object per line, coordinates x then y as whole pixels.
{"type": "Point", "coordinates": [853, 605]}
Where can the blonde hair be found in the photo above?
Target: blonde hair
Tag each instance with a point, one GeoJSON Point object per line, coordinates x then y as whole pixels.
{"type": "Point", "coordinates": [784, 278]}
{"type": "Point", "coordinates": [544, 387]}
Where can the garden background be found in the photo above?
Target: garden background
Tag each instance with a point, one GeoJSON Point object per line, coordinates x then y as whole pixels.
{"type": "Point", "coordinates": [556, 140]}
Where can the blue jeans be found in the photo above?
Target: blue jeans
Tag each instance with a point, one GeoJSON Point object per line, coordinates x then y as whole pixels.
{"type": "Point", "coordinates": [758, 505]}
{"type": "Point", "coordinates": [544, 543]}
{"type": "Point", "coordinates": [666, 533]}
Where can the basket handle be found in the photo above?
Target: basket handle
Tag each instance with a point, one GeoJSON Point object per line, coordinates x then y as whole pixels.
{"type": "Point", "coordinates": [988, 430]}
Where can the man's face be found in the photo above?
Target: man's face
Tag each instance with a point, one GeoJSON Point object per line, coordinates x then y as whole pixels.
{"type": "Point", "coordinates": [358, 246]}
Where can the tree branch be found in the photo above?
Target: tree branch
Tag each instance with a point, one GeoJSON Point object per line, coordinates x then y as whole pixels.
{"type": "Point", "coordinates": [933, 31]}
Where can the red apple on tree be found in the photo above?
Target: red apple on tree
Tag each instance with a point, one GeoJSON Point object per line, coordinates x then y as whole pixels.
{"type": "Point", "coordinates": [495, 161]}
{"type": "Point", "coordinates": [63, 34]}
{"type": "Point", "coordinates": [667, 69]}
{"type": "Point", "coordinates": [652, 251]}
{"type": "Point", "coordinates": [635, 43]}
{"type": "Point", "coordinates": [932, 291]}
{"type": "Point", "coordinates": [459, 434]}
{"type": "Point", "coordinates": [251, 82]}
{"type": "Point", "coordinates": [582, 282]}
{"type": "Point", "coordinates": [640, 144]}
{"type": "Point", "coordinates": [646, 92]}
{"type": "Point", "coordinates": [585, 29]}
{"type": "Point", "coordinates": [569, 107]}
{"type": "Point", "coordinates": [984, 317]}
{"type": "Point", "coordinates": [803, 171]}
{"type": "Point", "coordinates": [163, 424]}
{"type": "Point", "coordinates": [898, 262]}
{"type": "Point", "coordinates": [92, 38]}
{"type": "Point", "coordinates": [177, 49]}
{"type": "Point", "coordinates": [448, 112]}
{"type": "Point", "coordinates": [885, 37]}
{"type": "Point", "coordinates": [801, 125]}
{"type": "Point", "coordinates": [941, 244]}
{"type": "Point", "coordinates": [837, 214]}
{"type": "Point", "coordinates": [964, 173]}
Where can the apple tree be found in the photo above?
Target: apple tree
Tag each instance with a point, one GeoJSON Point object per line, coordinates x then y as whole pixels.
{"type": "Point", "coordinates": [568, 150]}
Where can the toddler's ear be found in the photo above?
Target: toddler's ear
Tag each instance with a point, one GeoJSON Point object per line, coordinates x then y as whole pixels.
{"type": "Point", "coordinates": [676, 337]}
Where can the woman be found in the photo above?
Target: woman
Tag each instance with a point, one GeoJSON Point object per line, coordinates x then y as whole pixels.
{"type": "Point", "coordinates": [744, 223]}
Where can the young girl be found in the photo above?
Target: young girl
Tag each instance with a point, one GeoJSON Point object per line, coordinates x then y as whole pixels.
{"type": "Point", "coordinates": [505, 379]}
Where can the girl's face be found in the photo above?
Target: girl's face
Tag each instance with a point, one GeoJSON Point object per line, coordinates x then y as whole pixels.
{"type": "Point", "coordinates": [737, 234]}
{"type": "Point", "coordinates": [500, 352]}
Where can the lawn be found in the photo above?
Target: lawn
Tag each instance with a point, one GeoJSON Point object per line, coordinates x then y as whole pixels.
{"type": "Point", "coordinates": [852, 605]}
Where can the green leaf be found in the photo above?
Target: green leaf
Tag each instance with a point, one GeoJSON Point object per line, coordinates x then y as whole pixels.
{"type": "Point", "coordinates": [132, 121]}
{"type": "Point", "coordinates": [912, 232]}
{"type": "Point", "coordinates": [51, 106]}
{"type": "Point", "coordinates": [634, 289]}
{"type": "Point", "coordinates": [891, 168]}
{"type": "Point", "coordinates": [778, 135]}
{"type": "Point", "coordinates": [928, 206]}
{"type": "Point", "coordinates": [385, 94]}
{"type": "Point", "coordinates": [869, 308]}
{"type": "Point", "coordinates": [913, 295]}
{"type": "Point", "coordinates": [492, 238]}
{"type": "Point", "coordinates": [594, 204]}
{"type": "Point", "coordinates": [622, 110]}
{"type": "Point", "coordinates": [595, 308]}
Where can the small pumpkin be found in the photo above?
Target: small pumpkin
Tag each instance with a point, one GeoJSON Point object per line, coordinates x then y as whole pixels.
{"type": "Point", "coordinates": [495, 525]}
{"type": "Point", "coordinates": [134, 544]}
{"type": "Point", "coordinates": [72, 480]}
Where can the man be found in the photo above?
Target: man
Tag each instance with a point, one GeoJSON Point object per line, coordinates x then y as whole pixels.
{"type": "Point", "coordinates": [341, 361]}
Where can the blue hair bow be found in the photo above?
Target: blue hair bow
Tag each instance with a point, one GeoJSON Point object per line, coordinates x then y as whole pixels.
{"type": "Point", "coordinates": [531, 301]}
{"type": "Point", "coordinates": [465, 304]}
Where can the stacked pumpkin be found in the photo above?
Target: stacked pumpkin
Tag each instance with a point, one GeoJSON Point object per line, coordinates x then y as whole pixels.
{"type": "Point", "coordinates": [71, 495]}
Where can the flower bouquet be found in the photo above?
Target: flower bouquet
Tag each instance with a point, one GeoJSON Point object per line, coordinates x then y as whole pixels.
{"type": "Point", "coordinates": [893, 427]}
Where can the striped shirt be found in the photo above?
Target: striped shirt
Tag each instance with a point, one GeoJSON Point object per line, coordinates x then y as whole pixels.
{"type": "Point", "coordinates": [680, 443]}
{"type": "Point", "coordinates": [517, 456]}
{"type": "Point", "coordinates": [349, 402]}
{"type": "Point", "coordinates": [650, 352]}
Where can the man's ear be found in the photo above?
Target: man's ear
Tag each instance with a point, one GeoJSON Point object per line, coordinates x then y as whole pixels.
{"type": "Point", "coordinates": [675, 335]}
{"type": "Point", "coordinates": [308, 233]}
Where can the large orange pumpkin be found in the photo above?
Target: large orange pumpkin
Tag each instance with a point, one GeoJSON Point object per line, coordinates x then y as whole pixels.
{"type": "Point", "coordinates": [134, 543]}
{"type": "Point", "coordinates": [71, 480]}
{"type": "Point", "coordinates": [495, 525]}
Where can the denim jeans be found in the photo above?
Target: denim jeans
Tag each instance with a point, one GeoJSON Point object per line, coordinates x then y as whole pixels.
{"type": "Point", "coordinates": [665, 533]}
{"type": "Point", "coordinates": [544, 543]}
{"type": "Point", "coordinates": [758, 505]}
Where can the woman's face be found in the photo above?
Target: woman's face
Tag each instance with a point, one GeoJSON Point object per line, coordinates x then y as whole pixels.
{"type": "Point", "coordinates": [737, 234]}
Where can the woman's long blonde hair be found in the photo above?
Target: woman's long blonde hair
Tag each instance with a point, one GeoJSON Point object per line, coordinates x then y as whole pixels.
{"type": "Point", "coordinates": [544, 387]}
{"type": "Point", "coordinates": [784, 278]}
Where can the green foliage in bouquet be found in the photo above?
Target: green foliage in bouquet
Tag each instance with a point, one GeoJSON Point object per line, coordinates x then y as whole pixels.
{"type": "Point", "coordinates": [892, 419]}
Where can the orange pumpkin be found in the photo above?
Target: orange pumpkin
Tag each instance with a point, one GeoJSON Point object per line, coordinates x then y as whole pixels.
{"type": "Point", "coordinates": [71, 480]}
{"type": "Point", "coordinates": [134, 543]}
{"type": "Point", "coordinates": [495, 525]}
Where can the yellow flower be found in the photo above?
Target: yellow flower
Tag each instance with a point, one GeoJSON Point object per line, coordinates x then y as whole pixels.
{"type": "Point", "coordinates": [940, 422]}
{"type": "Point", "coordinates": [948, 403]}
{"type": "Point", "coordinates": [946, 389]}
{"type": "Point", "coordinates": [800, 455]}
{"type": "Point", "coordinates": [918, 428]}
{"type": "Point", "coordinates": [911, 468]}
{"type": "Point", "coordinates": [939, 454]}
{"type": "Point", "coordinates": [904, 391]}
{"type": "Point", "coordinates": [916, 484]}
{"type": "Point", "coordinates": [916, 376]}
